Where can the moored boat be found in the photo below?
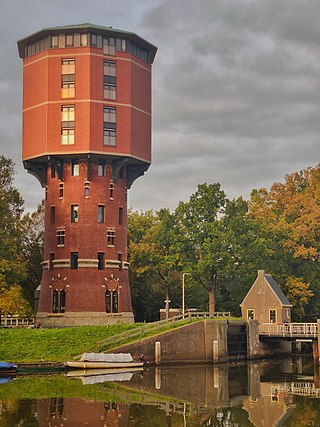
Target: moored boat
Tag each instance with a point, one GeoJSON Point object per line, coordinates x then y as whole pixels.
{"type": "Point", "coordinates": [104, 361]}
{"type": "Point", "coordinates": [7, 368]}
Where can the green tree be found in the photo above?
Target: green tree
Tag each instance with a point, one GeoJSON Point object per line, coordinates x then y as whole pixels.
{"type": "Point", "coordinates": [32, 251]}
{"type": "Point", "coordinates": [11, 208]}
{"type": "Point", "coordinates": [154, 261]}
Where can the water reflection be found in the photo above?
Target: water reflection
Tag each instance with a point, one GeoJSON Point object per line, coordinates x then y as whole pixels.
{"type": "Point", "coordinates": [258, 394]}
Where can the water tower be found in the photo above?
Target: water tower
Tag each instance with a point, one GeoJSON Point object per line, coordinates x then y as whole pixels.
{"type": "Point", "coordinates": [86, 138]}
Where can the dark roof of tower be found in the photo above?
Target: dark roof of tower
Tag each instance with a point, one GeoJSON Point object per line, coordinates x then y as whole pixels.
{"type": "Point", "coordinates": [82, 28]}
{"type": "Point", "coordinates": [272, 283]}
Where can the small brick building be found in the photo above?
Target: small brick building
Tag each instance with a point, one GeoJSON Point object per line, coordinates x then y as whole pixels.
{"type": "Point", "coordinates": [266, 302]}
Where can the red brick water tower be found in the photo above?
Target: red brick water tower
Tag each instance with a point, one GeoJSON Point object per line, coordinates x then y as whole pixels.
{"type": "Point", "coordinates": [86, 138]}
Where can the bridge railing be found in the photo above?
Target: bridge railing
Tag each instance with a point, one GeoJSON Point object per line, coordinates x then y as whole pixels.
{"type": "Point", "coordinates": [306, 330]}
{"type": "Point", "coordinates": [16, 322]}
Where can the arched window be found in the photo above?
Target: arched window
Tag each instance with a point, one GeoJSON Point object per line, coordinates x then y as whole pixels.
{"type": "Point", "coordinates": [114, 302]}
{"type": "Point", "coordinates": [62, 301]}
{"type": "Point", "coordinates": [55, 297]}
{"type": "Point", "coordinates": [108, 301]}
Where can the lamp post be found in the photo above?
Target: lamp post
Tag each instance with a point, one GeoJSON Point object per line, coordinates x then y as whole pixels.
{"type": "Point", "coordinates": [183, 281]}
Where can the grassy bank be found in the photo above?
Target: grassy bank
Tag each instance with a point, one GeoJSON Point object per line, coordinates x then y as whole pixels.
{"type": "Point", "coordinates": [53, 345]}
{"type": "Point", "coordinates": [59, 345]}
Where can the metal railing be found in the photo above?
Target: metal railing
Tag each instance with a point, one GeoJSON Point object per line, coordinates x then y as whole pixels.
{"type": "Point", "coordinates": [297, 388]}
{"type": "Point", "coordinates": [16, 322]}
{"type": "Point", "coordinates": [139, 331]}
{"type": "Point", "coordinates": [304, 330]}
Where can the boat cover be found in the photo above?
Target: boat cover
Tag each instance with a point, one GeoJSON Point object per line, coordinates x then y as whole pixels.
{"type": "Point", "coordinates": [7, 365]}
{"type": "Point", "coordinates": [105, 357]}
{"type": "Point", "coordinates": [96, 379]}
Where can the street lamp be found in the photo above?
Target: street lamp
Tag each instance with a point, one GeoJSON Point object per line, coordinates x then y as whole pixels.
{"type": "Point", "coordinates": [183, 279]}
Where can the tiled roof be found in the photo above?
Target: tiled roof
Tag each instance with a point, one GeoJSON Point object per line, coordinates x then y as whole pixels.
{"type": "Point", "coordinates": [283, 299]}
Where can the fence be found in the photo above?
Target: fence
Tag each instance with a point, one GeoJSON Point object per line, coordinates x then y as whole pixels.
{"type": "Point", "coordinates": [16, 322]}
{"type": "Point", "coordinates": [305, 330]}
{"type": "Point", "coordinates": [139, 331]}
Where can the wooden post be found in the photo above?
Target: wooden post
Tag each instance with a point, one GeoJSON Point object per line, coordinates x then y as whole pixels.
{"type": "Point", "coordinates": [157, 357]}
{"type": "Point", "coordinates": [215, 352]}
{"type": "Point", "coordinates": [315, 364]}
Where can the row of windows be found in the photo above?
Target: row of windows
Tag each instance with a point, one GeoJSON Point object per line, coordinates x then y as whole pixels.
{"type": "Point", "coordinates": [61, 236]}
{"type": "Point", "coordinates": [109, 44]}
{"type": "Point", "coordinates": [86, 190]}
{"type": "Point", "coordinates": [74, 214]}
{"type": "Point", "coordinates": [68, 125]}
{"type": "Point", "coordinates": [75, 171]}
{"type": "Point", "coordinates": [74, 261]}
{"type": "Point", "coordinates": [59, 301]}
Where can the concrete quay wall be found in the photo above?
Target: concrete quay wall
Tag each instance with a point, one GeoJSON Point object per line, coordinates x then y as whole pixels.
{"type": "Point", "coordinates": [201, 342]}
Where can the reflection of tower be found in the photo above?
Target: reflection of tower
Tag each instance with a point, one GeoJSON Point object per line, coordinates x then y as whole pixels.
{"type": "Point", "coordinates": [86, 137]}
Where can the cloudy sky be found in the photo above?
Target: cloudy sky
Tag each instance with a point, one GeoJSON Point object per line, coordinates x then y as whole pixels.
{"type": "Point", "coordinates": [236, 89]}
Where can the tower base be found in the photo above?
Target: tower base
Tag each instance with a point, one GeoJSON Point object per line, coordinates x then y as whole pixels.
{"type": "Point", "coordinates": [63, 320]}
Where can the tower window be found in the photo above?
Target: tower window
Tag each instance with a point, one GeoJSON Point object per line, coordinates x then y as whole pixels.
{"type": "Point", "coordinates": [60, 236]}
{"type": "Point", "coordinates": [74, 260]}
{"type": "Point", "coordinates": [109, 47]}
{"type": "Point", "coordinates": [58, 301]}
{"type": "Point", "coordinates": [115, 302]}
{"type": "Point", "coordinates": [51, 259]}
{"type": "Point", "coordinates": [61, 190]}
{"type": "Point", "coordinates": [62, 302]}
{"type": "Point", "coordinates": [120, 216]}
{"type": "Point", "coordinates": [101, 214]}
{"type": "Point", "coordinates": [120, 260]}
{"type": "Point", "coordinates": [55, 299]}
{"type": "Point", "coordinates": [75, 168]}
{"type": "Point", "coordinates": [111, 190]}
{"type": "Point", "coordinates": [68, 78]}
{"type": "Point", "coordinates": [67, 124]}
{"type": "Point", "coordinates": [74, 213]}
{"type": "Point", "coordinates": [101, 168]}
{"type": "Point", "coordinates": [100, 260]}
{"type": "Point", "coordinates": [52, 215]}
{"type": "Point", "coordinates": [86, 190]}
{"type": "Point", "coordinates": [109, 135]}
{"type": "Point", "coordinates": [108, 301]}
{"type": "Point", "coordinates": [109, 115]}
{"type": "Point", "coordinates": [109, 90]}
{"type": "Point", "coordinates": [111, 236]}
{"type": "Point", "coordinates": [109, 68]}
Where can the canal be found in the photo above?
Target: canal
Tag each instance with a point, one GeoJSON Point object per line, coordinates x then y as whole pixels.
{"type": "Point", "coordinates": [277, 393]}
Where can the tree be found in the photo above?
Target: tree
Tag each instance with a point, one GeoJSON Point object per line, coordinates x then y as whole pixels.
{"type": "Point", "coordinates": [289, 216]}
{"type": "Point", "coordinates": [154, 261]}
{"type": "Point", "coordinates": [32, 251]}
{"type": "Point", "coordinates": [11, 208]}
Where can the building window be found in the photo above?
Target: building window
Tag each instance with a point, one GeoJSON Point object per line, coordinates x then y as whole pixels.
{"type": "Point", "coordinates": [51, 259]}
{"type": "Point", "coordinates": [120, 261]}
{"type": "Point", "coordinates": [115, 302]}
{"type": "Point", "coordinates": [52, 215]}
{"type": "Point", "coordinates": [109, 68]}
{"type": "Point", "coordinates": [109, 126]}
{"type": "Point", "coordinates": [62, 304]}
{"type": "Point", "coordinates": [250, 314]}
{"type": "Point", "coordinates": [101, 214]}
{"type": "Point", "coordinates": [109, 47]}
{"type": "Point", "coordinates": [111, 190]}
{"type": "Point", "coordinates": [75, 168]}
{"type": "Point", "coordinates": [74, 213]}
{"type": "Point", "coordinates": [108, 301]}
{"type": "Point", "coordinates": [58, 301]}
{"type": "Point", "coordinates": [86, 190]}
{"type": "Point", "coordinates": [109, 136]}
{"type": "Point", "coordinates": [61, 233]}
{"type": "Point", "coordinates": [272, 316]}
{"type": "Point", "coordinates": [100, 260]}
{"type": "Point", "coordinates": [46, 193]}
{"type": "Point", "coordinates": [74, 260]}
{"type": "Point", "coordinates": [109, 90]}
{"type": "Point", "coordinates": [84, 39]}
{"type": "Point", "coordinates": [67, 124]}
{"type": "Point", "coordinates": [55, 301]}
{"type": "Point", "coordinates": [61, 190]}
{"type": "Point", "coordinates": [111, 236]}
{"type": "Point", "coordinates": [101, 168]}
{"type": "Point", "coordinates": [120, 216]}
{"type": "Point", "coordinates": [68, 78]}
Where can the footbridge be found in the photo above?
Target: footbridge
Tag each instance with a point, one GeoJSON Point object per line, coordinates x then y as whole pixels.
{"type": "Point", "coordinates": [289, 331]}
